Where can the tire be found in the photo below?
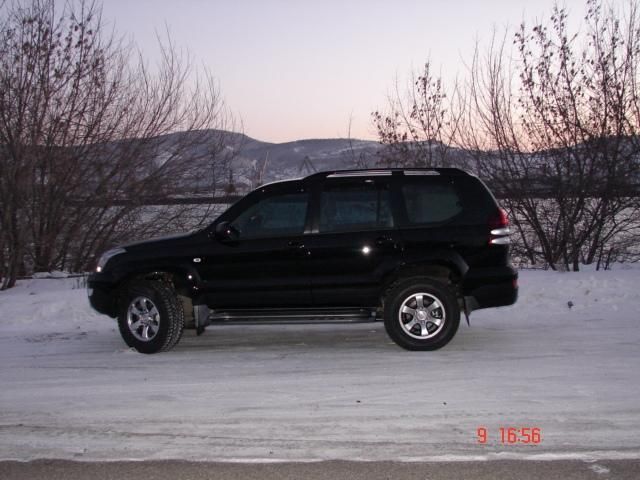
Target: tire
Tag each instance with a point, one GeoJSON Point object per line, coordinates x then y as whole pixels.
{"type": "Point", "coordinates": [430, 314]}
{"type": "Point", "coordinates": [150, 316]}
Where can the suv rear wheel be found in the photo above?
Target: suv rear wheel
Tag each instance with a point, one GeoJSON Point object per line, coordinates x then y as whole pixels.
{"type": "Point", "coordinates": [151, 316]}
{"type": "Point", "coordinates": [421, 314]}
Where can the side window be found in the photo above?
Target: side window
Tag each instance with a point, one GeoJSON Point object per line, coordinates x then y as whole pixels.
{"type": "Point", "coordinates": [274, 216]}
{"type": "Point", "coordinates": [430, 202]}
{"type": "Point", "coordinates": [362, 205]}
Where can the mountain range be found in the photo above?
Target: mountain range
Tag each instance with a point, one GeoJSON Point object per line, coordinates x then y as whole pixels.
{"type": "Point", "coordinates": [252, 162]}
{"type": "Point", "coordinates": [275, 161]}
{"type": "Point", "coordinates": [249, 162]}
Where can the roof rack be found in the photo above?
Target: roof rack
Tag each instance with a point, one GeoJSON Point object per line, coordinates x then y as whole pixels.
{"type": "Point", "coordinates": [389, 171]}
{"type": "Point", "coordinates": [360, 173]}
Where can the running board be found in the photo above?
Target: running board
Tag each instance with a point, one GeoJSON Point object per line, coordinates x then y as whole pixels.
{"type": "Point", "coordinates": [278, 317]}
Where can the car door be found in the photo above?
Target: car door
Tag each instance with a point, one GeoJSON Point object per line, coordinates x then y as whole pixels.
{"type": "Point", "coordinates": [354, 241]}
{"type": "Point", "coordinates": [262, 267]}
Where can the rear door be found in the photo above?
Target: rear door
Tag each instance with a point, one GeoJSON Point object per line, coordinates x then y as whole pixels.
{"type": "Point", "coordinates": [354, 242]}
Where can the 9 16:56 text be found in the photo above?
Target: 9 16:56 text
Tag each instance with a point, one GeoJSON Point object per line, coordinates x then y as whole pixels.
{"type": "Point", "coordinates": [512, 435]}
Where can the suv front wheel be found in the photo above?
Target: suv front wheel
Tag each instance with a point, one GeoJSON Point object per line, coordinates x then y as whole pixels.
{"type": "Point", "coordinates": [421, 314]}
{"type": "Point", "coordinates": [151, 316]}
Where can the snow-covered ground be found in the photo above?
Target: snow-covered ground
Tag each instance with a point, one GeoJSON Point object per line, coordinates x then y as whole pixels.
{"type": "Point", "coordinates": [70, 389]}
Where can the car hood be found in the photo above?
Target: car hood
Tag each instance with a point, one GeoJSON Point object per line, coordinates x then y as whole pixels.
{"type": "Point", "coordinates": [157, 241]}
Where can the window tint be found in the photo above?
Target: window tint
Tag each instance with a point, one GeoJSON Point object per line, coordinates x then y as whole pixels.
{"type": "Point", "coordinates": [278, 215]}
{"type": "Point", "coordinates": [430, 202]}
{"type": "Point", "coordinates": [355, 206]}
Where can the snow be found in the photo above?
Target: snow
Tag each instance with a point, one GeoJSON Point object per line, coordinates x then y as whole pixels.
{"type": "Point", "coordinates": [53, 274]}
{"type": "Point", "coordinates": [72, 390]}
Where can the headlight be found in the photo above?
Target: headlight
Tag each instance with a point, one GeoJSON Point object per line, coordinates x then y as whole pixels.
{"type": "Point", "coordinates": [106, 256]}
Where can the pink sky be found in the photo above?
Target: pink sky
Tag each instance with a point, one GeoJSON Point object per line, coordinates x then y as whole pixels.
{"type": "Point", "coordinates": [302, 69]}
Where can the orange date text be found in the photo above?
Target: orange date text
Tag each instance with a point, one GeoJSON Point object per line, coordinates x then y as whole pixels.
{"type": "Point", "coordinates": [510, 435]}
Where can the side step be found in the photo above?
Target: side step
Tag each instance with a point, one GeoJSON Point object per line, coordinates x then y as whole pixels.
{"type": "Point", "coordinates": [299, 316]}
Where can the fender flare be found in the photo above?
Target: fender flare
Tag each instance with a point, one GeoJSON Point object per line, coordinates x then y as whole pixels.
{"type": "Point", "coordinates": [421, 264]}
{"type": "Point", "coordinates": [185, 278]}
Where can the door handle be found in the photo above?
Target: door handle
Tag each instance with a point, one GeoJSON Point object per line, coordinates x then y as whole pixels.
{"type": "Point", "coordinates": [295, 245]}
{"type": "Point", "coordinates": [384, 240]}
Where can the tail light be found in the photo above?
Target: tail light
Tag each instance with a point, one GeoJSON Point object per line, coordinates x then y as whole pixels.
{"type": "Point", "coordinates": [499, 230]}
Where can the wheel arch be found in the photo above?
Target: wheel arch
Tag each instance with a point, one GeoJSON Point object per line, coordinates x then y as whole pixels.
{"type": "Point", "coordinates": [445, 266]}
{"type": "Point", "coordinates": [184, 280]}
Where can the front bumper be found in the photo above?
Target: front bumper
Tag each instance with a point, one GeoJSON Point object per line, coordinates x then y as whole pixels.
{"type": "Point", "coordinates": [102, 294]}
{"type": "Point", "coordinates": [490, 287]}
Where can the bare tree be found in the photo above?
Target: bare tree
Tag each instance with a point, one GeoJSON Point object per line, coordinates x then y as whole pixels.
{"type": "Point", "coordinates": [421, 124]}
{"type": "Point", "coordinates": [550, 118]}
{"type": "Point", "coordinates": [361, 159]}
{"type": "Point", "coordinates": [559, 139]}
{"type": "Point", "coordinates": [86, 132]}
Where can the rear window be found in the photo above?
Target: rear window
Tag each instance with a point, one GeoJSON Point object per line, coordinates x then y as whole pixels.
{"type": "Point", "coordinates": [431, 202]}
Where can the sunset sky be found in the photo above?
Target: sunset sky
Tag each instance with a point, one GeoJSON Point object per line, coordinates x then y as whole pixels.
{"type": "Point", "coordinates": [302, 69]}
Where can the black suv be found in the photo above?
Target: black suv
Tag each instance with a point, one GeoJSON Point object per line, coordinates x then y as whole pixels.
{"type": "Point", "coordinates": [415, 246]}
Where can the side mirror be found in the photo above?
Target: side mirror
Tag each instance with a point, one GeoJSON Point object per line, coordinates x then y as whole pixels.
{"type": "Point", "coordinates": [227, 233]}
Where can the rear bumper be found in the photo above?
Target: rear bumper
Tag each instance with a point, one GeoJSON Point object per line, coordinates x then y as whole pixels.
{"type": "Point", "coordinates": [490, 287]}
